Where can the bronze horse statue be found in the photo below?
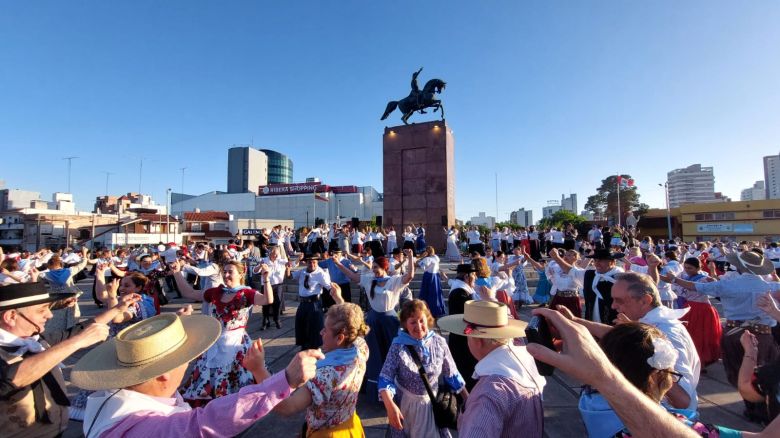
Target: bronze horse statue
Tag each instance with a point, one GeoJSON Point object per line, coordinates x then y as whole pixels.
{"type": "Point", "coordinates": [418, 100]}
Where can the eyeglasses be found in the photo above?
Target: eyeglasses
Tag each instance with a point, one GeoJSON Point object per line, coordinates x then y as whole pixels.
{"type": "Point", "coordinates": [675, 375]}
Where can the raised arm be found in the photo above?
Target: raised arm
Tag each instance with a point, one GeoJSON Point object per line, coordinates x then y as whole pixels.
{"type": "Point", "coordinates": [409, 266]}
{"type": "Point", "coordinates": [267, 296]}
{"type": "Point", "coordinates": [352, 275]}
{"type": "Point", "coordinates": [565, 267]}
{"type": "Point", "coordinates": [184, 287]}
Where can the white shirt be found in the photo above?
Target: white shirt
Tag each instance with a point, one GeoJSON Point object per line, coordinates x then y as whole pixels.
{"type": "Point", "coordinates": [430, 264]}
{"type": "Point", "coordinates": [474, 237]}
{"type": "Point", "coordinates": [277, 267]}
{"type": "Point", "coordinates": [688, 364]}
{"type": "Point", "coordinates": [556, 236]}
{"type": "Point", "coordinates": [318, 279]}
{"type": "Point", "coordinates": [386, 296]}
{"type": "Point", "coordinates": [209, 275]}
{"type": "Point", "coordinates": [563, 280]}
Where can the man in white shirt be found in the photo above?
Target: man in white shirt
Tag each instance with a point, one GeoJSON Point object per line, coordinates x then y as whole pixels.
{"type": "Point", "coordinates": [309, 319]}
{"type": "Point", "coordinates": [278, 270]}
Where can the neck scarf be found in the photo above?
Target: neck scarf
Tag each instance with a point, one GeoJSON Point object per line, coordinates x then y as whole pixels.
{"type": "Point", "coordinates": [404, 338]}
{"type": "Point", "coordinates": [607, 276]}
{"type": "Point", "coordinates": [460, 284]}
{"type": "Point", "coordinates": [18, 346]}
{"type": "Point", "coordinates": [339, 356]}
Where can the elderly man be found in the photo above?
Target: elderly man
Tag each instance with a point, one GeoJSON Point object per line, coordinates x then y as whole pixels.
{"type": "Point", "coordinates": [507, 399]}
{"type": "Point", "coordinates": [136, 376]}
{"type": "Point", "coordinates": [32, 394]}
{"type": "Point", "coordinates": [636, 298]}
{"type": "Point", "coordinates": [279, 269]}
{"type": "Point", "coordinates": [309, 318]}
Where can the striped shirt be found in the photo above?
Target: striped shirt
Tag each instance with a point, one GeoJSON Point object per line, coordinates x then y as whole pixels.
{"type": "Point", "coordinates": [499, 407]}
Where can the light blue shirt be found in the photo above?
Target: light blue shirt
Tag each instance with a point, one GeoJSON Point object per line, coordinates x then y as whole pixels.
{"type": "Point", "coordinates": [739, 296]}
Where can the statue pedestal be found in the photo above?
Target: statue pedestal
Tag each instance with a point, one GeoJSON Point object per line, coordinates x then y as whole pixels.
{"type": "Point", "coordinates": [419, 179]}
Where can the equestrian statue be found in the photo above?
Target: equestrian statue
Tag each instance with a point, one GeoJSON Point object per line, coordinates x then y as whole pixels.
{"type": "Point", "coordinates": [418, 99]}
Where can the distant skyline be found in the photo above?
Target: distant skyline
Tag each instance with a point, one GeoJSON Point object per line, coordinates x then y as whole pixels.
{"type": "Point", "coordinates": [552, 97]}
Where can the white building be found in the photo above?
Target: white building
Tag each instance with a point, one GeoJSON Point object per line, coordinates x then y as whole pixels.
{"type": "Point", "coordinates": [570, 203]}
{"type": "Point", "coordinates": [485, 221]}
{"type": "Point", "coordinates": [297, 202]}
{"type": "Point", "coordinates": [247, 169]}
{"type": "Point", "coordinates": [550, 210]}
{"type": "Point", "coordinates": [755, 193]}
{"type": "Point", "coordinates": [522, 217]}
{"type": "Point", "coordinates": [772, 176]}
{"type": "Point", "coordinates": [691, 185]}
{"type": "Point", "coordinates": [14, 199]}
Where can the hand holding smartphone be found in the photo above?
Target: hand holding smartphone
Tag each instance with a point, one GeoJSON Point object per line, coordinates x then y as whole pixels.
{"type": "Point", "coordinates": [538, 332]}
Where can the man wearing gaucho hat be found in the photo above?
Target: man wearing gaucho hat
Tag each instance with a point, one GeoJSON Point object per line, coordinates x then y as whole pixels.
{"type": "Point", "coordinates": [739, 297]}
{"type": "Point", "coordinates": [33, 402]}
{"type": "Point", "coordinates": [136, 375]}
{"type": "Point", "coordinates": [597, 283]}
{"type": "Point", "coordinates": [507, 399]}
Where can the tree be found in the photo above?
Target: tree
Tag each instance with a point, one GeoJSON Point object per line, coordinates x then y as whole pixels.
{"type": "Point", "coordinates": [560, 218]}
{"type": "Point", "coordinates": [604, 202]}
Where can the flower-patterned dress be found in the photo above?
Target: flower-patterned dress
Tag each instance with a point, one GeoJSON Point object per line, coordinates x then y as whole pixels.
{"type": "Point", "coordinates": [334, 390]}
{"type": "Point", "coordinates": [219, 371]}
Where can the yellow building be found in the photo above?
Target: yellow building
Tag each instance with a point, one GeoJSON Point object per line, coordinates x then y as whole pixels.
{"type": "Point", "coordinates": [733, 221]}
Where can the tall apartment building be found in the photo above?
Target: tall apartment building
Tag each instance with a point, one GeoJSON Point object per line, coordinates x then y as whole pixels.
{"type": "Point", "coordinates": [280, 167]}
{"type": "Point", "coordinates": [570, 203]}
{"type": "Point", "coordinates": [522, 217]}
{"type": "Point", "coordinates": [755, 193]}
{"type": "Point", "coordinates": [691, 185]}
{"type": "Point", "coordinates": [247, 169]}
{"type": "Point", "coordinates": [772, 176]}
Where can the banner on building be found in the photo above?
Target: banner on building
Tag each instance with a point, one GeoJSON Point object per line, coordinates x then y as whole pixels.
{"type": "Point", "coordinates": [301, 188]}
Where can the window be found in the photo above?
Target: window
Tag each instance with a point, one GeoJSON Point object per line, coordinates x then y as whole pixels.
{"type": "Point", "coordinates": [770, 214]}
{"type": "Point", "coordinates": [195, 226]}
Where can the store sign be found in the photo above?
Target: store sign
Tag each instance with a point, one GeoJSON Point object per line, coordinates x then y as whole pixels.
{"type": "Point", "coordinates": [251, 231]}
{"type": "Point", "coordinates": [713, 228]}
{"type": "Point", "coordinates": [299, 188]}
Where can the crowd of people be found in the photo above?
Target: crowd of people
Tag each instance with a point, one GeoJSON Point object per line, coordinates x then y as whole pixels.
{"type": "Point", "coordinates": [632, 319]}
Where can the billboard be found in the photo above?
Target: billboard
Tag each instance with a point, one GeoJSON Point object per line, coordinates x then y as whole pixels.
{"type": "Point", "coordinates": [300, 188]}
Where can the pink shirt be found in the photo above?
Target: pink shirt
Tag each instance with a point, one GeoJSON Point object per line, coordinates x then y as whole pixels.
{"type": "Point", "coordinates": [223, 417]}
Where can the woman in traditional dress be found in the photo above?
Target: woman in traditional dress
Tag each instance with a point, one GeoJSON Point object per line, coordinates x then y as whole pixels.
{"type": "Point", "coordinates": [416, 343]}
{"type": "Point", "coordinates": [453, 253]}
{"type": "Point", "coordinates": [409, 236]}
{"type": "Point", "coordinates": [219, 371]}
{"type": "Point", "coordinates": [430, 289]}
{"type": "Point", "coordinates": [702, 321]}
{"type": "Point", "coordinates": [392, 240]}
{"type": "Point", "coordinates": [421, 245]}
{"type": "Point", "coordinates": [384, 292]}
{"type": "Point", "coordinates": [331, 396]}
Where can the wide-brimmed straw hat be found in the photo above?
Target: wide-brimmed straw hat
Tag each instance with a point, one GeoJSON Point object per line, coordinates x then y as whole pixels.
{"type": "Point", "coordinates": [146, 350]}
{"type": "Point", "coordinates": [483, 319]}
{"type": "Point", "coordinates": [750, 261]}
{"type": "Point", "coordinates": [17, 295]}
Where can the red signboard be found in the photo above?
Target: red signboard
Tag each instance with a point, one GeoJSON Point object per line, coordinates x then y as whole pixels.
{"type": "Point", "coordinates": [299, 188]}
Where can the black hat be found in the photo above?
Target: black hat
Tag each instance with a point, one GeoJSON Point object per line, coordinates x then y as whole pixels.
{"type": "Point", "coordinates": [396, 251]}
{"type": "Point", "coordinates": [605, 254]}
{"type": "Point", "coordinates": [465, 268]}
{"type": "Point", "coordinates": [19, 295]}
{"type": "Point", "coordinates": [311, 256]}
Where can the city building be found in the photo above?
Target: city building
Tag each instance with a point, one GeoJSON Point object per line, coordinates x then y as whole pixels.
{"type": "Point", "coordinates": [482, 220]}
{"type": "Point", "coordinates": [755, 193]}
{"type": "Point", "coordinates": [691, 185]}
{"type": "Point", "coordinates": [131, 202]}
{"type": "Point", "coordinates": [280, 168]}
{"type": "Point", "coordinates": [13, 199]}
{"type": "Point", "coordinates": [570, 203]}
{"type": "Point", "coordinates": [247, 169]}
{"type": "Point", "coordinates": [550, 210]}
{"type": "Point", "coordinates": [303, 203]}
{"type": "Point", "coordinates": [727, 221]}
{"type": "Point", "coordinates": [522, 217]}
{"type": "Point", "coordinates": [772, 176]}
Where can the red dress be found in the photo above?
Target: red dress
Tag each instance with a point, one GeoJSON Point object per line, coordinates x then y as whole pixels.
{"type": "Point", "coordinates": [703, 324]}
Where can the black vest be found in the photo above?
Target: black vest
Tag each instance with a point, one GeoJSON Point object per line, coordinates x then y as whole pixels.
{"type": "Point", "coordinates": [606, 312]}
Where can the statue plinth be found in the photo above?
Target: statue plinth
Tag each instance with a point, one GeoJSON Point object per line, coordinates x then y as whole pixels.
{"type": "Point", "coordinates": [419, 179]}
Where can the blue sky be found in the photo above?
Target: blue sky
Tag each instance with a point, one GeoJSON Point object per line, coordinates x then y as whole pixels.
{"type": "Point", "coordinates": [552, 96]}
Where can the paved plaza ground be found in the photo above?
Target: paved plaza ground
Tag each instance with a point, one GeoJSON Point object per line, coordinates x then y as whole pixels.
{"type": "Point", "coordinates": [719, 402]}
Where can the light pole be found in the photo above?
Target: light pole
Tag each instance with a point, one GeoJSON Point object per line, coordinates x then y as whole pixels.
{"type": "Point", "coordinates": [668, 211]}
{"type": "Point", "coordinates": [168, 216]}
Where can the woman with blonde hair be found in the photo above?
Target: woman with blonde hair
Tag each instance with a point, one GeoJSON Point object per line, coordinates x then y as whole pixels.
{"type": "Point", "coordinates": [331, 396]}
{"type": "Point", "coordinates": [220, 371]}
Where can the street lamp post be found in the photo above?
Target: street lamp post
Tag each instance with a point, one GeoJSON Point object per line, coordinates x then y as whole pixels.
{"type": "Point", "coordinates": [668, 211]}
{"type": "Point", "coordinates": [168, 216]}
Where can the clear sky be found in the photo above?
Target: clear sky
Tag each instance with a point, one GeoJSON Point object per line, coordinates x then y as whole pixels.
{"type": "Point", "coordinates": [551, 96]}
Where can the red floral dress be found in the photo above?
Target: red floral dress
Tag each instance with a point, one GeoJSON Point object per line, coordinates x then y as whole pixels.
{"type": "Point", "coordinates": [219, 371]}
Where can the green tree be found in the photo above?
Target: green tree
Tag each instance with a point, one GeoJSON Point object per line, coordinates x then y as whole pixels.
{"type": "Point", "coordinates": [560, 218]}
{"type": "Point", "coordinates": [605, 202]}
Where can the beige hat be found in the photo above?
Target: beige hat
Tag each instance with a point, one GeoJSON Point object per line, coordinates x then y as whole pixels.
{"type": "Point", "coordinates": [483, 319]}
{"type": "Point", "coordinates": [146, 350]}
{"type": "Point", "coordinates": [750, 261]}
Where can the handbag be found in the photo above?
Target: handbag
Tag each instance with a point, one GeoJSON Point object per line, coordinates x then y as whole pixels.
{"type": "Point", "coordinates": [445, 404]}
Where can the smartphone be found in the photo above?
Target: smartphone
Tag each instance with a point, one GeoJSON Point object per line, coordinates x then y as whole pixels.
{"type": "Point", "coordinates": [538, 332]}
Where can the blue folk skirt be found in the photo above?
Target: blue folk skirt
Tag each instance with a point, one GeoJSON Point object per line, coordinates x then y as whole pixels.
{"type": "Point", "coordinates": [430, 291]}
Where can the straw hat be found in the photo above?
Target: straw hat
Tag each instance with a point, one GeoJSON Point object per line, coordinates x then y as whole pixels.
{"type": "Point", "coordinates": [750, 261]}
{"type": "Point", "coordinates": [146, 350]}
{"type": "Point", "coordinates": [483, 319]}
